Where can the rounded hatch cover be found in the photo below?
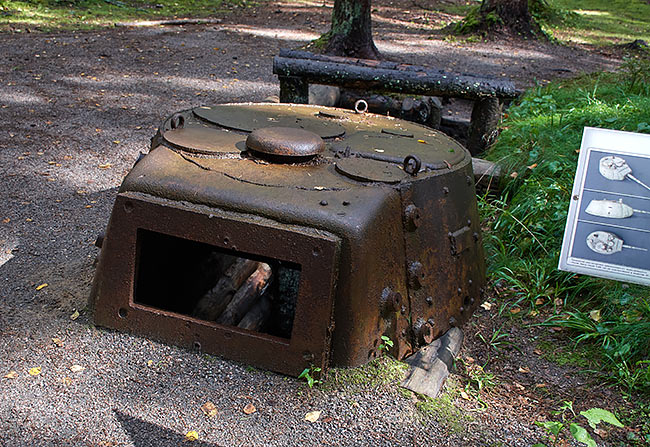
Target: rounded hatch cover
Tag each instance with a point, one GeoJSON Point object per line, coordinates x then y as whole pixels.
{"type": "Point", "coordinates": [285, 141]}
{"type": "Point", "coordinates": [366, 170]}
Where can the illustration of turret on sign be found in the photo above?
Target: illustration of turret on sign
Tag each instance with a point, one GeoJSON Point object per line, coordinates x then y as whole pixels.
{"type": "Point", "coordinates": [606, 243]}
{"type": "Point", "coordinates": [616, 168]}
{"type": "Point", "coordinates": [612, 209]}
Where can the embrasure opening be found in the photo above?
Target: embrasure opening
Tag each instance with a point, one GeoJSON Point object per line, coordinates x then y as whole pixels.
{"type": "Point", "coordinates": [214, 284]}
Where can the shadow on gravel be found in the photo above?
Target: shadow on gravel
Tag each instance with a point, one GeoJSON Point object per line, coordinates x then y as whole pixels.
{"type": "Point", "coordinates": [145, 434]}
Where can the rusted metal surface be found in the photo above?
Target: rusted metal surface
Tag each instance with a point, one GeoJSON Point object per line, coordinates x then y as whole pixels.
{"type": "Point", "coordinates": [377, 235]}
{"type": "Point", "coordinates": [254, 117]}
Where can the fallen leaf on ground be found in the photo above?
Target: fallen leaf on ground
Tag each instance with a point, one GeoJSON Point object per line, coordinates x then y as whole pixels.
{"type": "Point", "coordinates": [57, 342]}
{"type": "Point", "coordinates": [42, 286]}
{"type": "Point", "coordinates": [533, 313]}
{"type": "Point", "coordinates": [539, 301]}
{"type": "Point", "coordinates": [249, 409]}
{"type": "Point", "coordinates": [558, 301]}
{"type": "Point", "coordinates": [67, 381]}
{"type": "Point", "coordinates": [524, 369]}
{"type": "Point", "coordinates": [76, 368]}
{"type": "Point", "coordinates": [514, 175]}
{"type": "Point", "coordinates": [515, 310]}
{"type": "Point", "coordinates": [74, 315]}
{"type": "Point", "coordinates": [105, 166]}
{"type": "Point", "coordinates": [11, 375]}
{"type": "Point", "coordinates": [533, 166]}
{"type": "Point", "coordinates": [486, 305]}
{"type": "Point", "coordinates": [601, 432]}
{"type": "Point", "coordinates": [192, 436]}
{"type": "Point", "coordinates": [537, 351]}
{"type": "Point", "coordinates": [464, 395]}
{"type": "Point", "coordinates": [34, 371]}
{"type": "Point", "coordinates": [209, 409]}
{"type": "Point", "coordinates": [326, 420]}
{"type": "Point", "coordinates": [595, 315]}
{"type": "Point", "coordinates": [469, 359]}
{"type": "Point", "coordinates": [312, 416]}
{"type": "Point", "coordinates": [541, 385]}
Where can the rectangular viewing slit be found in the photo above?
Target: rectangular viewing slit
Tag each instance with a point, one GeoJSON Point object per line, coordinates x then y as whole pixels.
{"type": "Point", "coordinates": [214, 284]}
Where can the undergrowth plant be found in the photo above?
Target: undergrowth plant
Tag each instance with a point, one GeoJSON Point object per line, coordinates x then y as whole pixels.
{"type": "Point", "coordinates": [568, 420]}
{"type": "Point", "coordinates": [309, 374]}
{"type": "Point", "coordinates": [539, 147]}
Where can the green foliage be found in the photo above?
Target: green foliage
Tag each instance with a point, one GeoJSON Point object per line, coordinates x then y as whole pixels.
{"type": "Point", "coordinates": [386, 344]}
{"type": "Point", "coordinates": [568, 417]}
{"type": "Point", "coordinates": [539, 145]}
{"type": "Point", "coordinates": [309, 374]}
{"type": "Point", "coordinates": [497, 340]}
{"type": "Point", "coordinates": [477, 380]}
{"type": "Point", "coordinates": [636, 72]}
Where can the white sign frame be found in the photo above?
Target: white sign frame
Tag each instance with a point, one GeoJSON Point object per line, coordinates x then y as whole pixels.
{"type": "Point", "coordinates": [631, 263]}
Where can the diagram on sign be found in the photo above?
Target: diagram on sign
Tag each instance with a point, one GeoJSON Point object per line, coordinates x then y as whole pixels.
{"type": "Point", "coordinates": [607, 243]}
{"type": "Point", "coordinates": [608, 227]}
{"type": "Point", "coordinates": [616, 168]}
{"type": "Point", "coordinates": [612, 209]}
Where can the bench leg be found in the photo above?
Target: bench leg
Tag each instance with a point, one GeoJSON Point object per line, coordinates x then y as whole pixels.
{"type": "Point", "coordinates": [294, 90]}
{"type": "Point", "coordinates": [483, 127]}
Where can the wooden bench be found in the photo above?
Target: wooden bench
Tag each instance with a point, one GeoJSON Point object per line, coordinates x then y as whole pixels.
{"type": "Point", "coordinates": [297, 69]}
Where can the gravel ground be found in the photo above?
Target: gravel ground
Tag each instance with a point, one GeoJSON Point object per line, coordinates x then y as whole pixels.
{"type": "Point", "coordinates": [76, 109]}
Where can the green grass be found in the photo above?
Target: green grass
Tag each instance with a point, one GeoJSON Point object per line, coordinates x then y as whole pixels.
{"type": "Point", "coordinates": [599, 22]}
{"type": "Point", "coordinates": [593, 22]}
{"type": "Point", "coordinates": [48, 15]}
{"type": "Point", "coordinates": [567, 356]}
{"type": "Point", "coordinates": [539, 143]}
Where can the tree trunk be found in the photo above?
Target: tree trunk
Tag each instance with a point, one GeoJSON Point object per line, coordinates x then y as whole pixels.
{"type": "Point", "coordinates": [351, 32]}
{"type": "Point", "coordinates": [513, 14]}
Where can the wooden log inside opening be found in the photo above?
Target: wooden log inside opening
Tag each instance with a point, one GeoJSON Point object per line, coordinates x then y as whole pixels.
{"type": "Point", "coordinates": [258, 315]}
{"type": "Point", "coordinates": [246, 296]}
{"type": "Point", "coordinates": [215, 301]}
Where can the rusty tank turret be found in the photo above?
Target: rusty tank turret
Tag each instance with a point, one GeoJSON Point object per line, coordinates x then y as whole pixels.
{"type": "Point", "coordinates": [290, 236]}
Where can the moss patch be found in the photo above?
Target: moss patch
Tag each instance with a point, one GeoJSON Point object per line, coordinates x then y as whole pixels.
{"type": "Point", "coordinates": [443, 411]}
{"type": "Point", "coordinates": [380, 372]}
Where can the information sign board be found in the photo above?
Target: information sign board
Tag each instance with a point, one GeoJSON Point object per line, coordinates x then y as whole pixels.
{"type": "Point", "coordinates": [608, 226]}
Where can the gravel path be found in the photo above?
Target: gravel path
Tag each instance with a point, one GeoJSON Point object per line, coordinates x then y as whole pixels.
{"type": "Point", "coordinates": [76, 109]}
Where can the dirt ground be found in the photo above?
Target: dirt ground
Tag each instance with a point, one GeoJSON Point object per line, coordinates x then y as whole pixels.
{"type": "Point", "coordinates": [77, 108]}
